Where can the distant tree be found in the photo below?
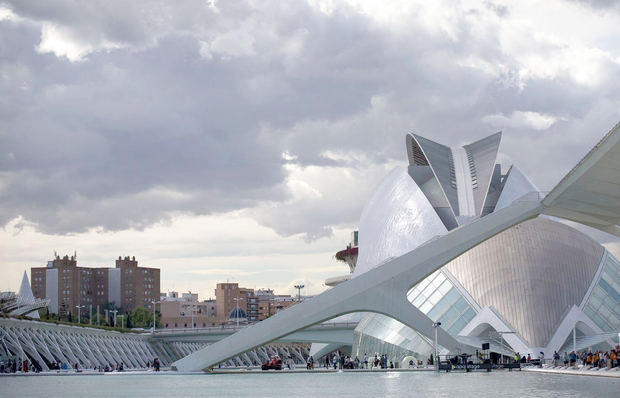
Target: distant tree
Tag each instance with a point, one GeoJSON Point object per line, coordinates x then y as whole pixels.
{"type": "Point", "coordinates": [69, 319]}
{"type": "Point", "coordinates": [139, 317]}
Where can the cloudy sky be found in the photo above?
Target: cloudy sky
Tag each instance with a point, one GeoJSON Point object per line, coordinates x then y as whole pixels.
{"type": "Point", "coordinates": [238, 140]}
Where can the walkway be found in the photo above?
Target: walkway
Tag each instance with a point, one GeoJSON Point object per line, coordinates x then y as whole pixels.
{"type": "Point", "coordinates": [614, 372]}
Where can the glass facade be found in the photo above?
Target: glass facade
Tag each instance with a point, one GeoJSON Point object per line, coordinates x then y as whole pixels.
{"type": "Point", "coordinates": [440, 300]}
{"type": "Point", "coordinates": [603, 305]}
{"type": "Point", "coordinates": [437, 298]}
{"type": "Point", "coordinates": [379, 334]}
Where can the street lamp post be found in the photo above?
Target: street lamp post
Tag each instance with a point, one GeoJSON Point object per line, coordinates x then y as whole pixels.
{"type": "Point", "coordinates": [237, 310]}
{"type": "Point", "coordinates": [114, 312]}
{"type": "Point", "coordinates": [436, 325]}
{"type": "Point", "coordinates": [299, 287]}
{"type": "Point", "coordinates": [154, 302]}
{"type": "Point", "coordinates": [79, 312]}
{"type": "Point", "coordinates": [192, 309]}
{"type": "Point", "coordinates": [90, 314]}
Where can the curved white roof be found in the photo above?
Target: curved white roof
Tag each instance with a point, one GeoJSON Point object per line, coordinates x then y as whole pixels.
{"type": "Point", "coordinates": [530, 274]}
{"type": "Point", "coordinates": [590, 193]}
{"type": "Point", "coordinates": [463, 174]}
{"type": "Point", "coordinates": [397, 219]}
{"type": "Point", "coordinates": [516, 185]}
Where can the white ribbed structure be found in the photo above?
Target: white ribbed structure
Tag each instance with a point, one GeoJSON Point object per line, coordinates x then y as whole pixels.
{"type": "Point", "coordinates": [48, 344]}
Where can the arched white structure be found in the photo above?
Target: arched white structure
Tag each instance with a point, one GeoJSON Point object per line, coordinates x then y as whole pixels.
{"type": "Point", "coordinates": [382, 290]}
{"type": "Point", "coordinates": [588, 194]}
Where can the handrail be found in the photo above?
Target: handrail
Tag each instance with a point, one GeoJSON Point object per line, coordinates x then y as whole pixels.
{"type": "Point", "coordinates": [215, 329]}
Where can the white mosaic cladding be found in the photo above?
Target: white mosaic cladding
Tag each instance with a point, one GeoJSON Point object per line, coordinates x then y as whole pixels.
{"type": "Point", "coordinates": [531, 274]}
{"type": "Point", "coordinates": [396, 220]}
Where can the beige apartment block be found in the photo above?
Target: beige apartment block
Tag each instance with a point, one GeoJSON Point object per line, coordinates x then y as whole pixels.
{"type": "Point", "coordinates": [229, 295]}
{"type": "Point", "coordinates": [68, 286]}
{"type": "Point", "coordinates": [180, 312]}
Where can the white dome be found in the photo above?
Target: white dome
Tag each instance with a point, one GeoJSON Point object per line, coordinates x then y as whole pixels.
{"type": "Point", "coordinates": [397, 219]}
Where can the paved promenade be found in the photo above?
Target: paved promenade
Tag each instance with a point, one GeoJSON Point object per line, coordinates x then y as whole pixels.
{"type": "Point", "coordinates": [578, 372]}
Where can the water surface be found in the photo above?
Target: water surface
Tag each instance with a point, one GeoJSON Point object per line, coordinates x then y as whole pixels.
{"type": "Point", "coordinates": [324, 385]}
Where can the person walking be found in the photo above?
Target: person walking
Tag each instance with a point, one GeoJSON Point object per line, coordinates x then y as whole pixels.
{"type": "Point", "coordinates": [290, 363]}
{"type": "Point", "coordinates": [573, 359]}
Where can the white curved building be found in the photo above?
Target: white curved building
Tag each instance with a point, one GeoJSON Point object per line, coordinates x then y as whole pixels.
{"type": "Point", "coordinates": [474, 249]}
{"type": "Point", "coordinates": [524, 282]}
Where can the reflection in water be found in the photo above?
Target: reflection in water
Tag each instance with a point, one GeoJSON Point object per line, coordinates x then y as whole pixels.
{"type": "Point", "coordinates": [340, 384]}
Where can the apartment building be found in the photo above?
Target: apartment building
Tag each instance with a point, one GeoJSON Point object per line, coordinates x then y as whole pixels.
{"type": "Point", "coordinates": [229, 295]}
{"type": "Point", "coordinates": [68, 286]}
{"type": "Point", "coordinates": [186, 311]}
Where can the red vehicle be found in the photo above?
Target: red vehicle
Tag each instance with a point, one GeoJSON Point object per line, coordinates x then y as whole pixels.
{"type": "Point", "coordinates": [275, 363]}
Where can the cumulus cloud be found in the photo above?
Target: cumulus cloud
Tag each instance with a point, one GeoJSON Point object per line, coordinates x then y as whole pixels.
{"type": "Point", "coordinates": [119, 115]}
{"type": "Point", "coordinates": [599, 4]}
{"type": "Point", "coordinates": [520, 119]}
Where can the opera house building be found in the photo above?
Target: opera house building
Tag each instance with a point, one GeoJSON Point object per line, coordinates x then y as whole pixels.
{"type": "Point", "coordinates": [457, 249]}
{"type": "Point", "coordinates": [530, 282]}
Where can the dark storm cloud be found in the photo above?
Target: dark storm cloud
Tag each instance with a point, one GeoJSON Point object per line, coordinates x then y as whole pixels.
{"type": "Point", "coordinates": [123, 138]}
{"type": "Point", "coordinates": [122, 114]}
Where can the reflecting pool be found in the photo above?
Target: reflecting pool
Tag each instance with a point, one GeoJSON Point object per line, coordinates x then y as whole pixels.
{"type": "Point", "coordinates": [336, 384]}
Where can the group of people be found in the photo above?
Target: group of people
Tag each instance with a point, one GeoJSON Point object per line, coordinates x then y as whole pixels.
{"type": "Point", "coordinates": [13, 366]}
{"type": "Point", "coordinates": [338, 360]}
{"type": "Point", "coordinates": [589, 359]}
{"type": "Point", "coordinates": [341, 361]}
{"type": "Point", "coordinates": [379, 362]}
{"type": "Point", "coordinates": [528, 360]}
{"type": "Point", "coordinates": [108, 368]}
